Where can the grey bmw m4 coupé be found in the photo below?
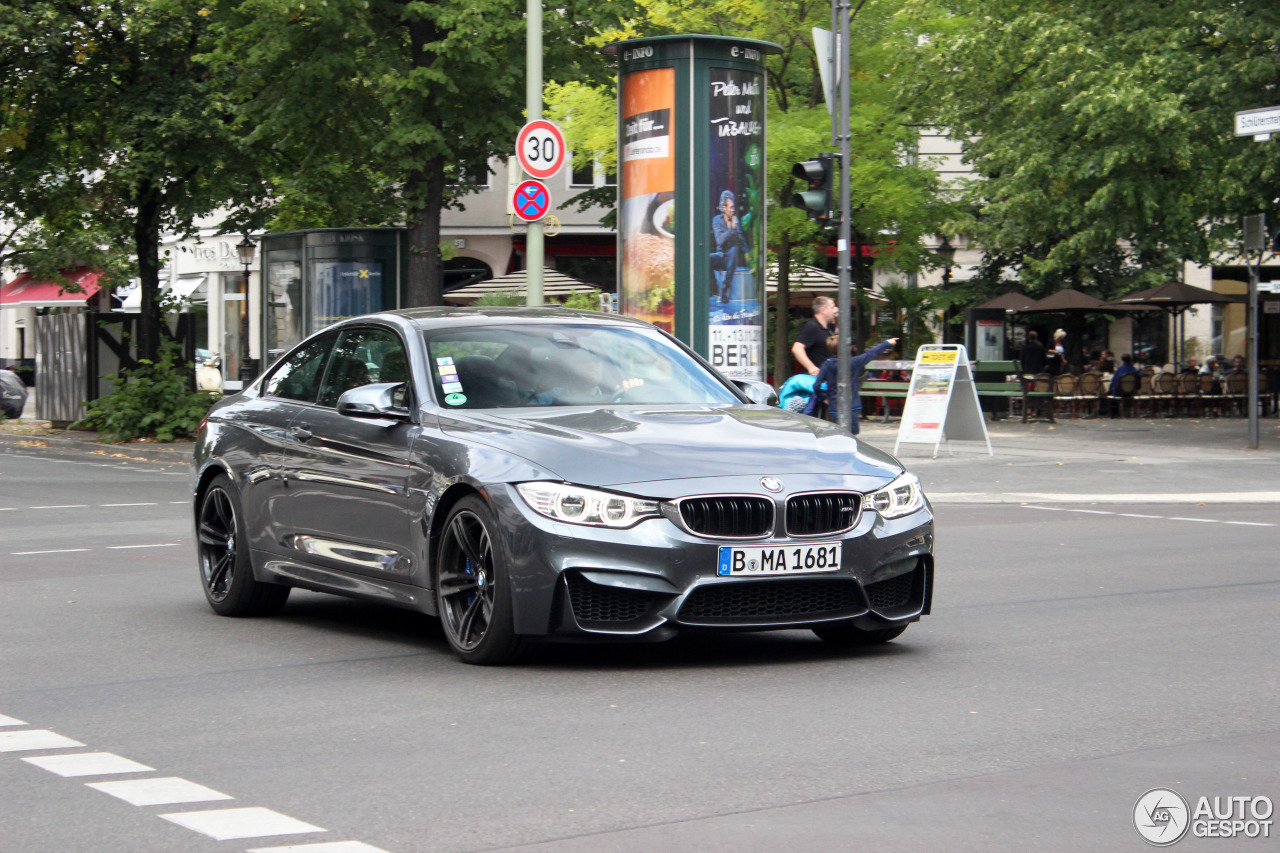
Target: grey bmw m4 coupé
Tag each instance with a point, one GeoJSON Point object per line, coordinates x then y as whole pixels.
{"type": "Point", "coordinates": [533, 475]}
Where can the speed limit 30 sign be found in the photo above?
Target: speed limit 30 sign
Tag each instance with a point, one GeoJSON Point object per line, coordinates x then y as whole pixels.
{"type": "Point", "coordinates": [540, 149]}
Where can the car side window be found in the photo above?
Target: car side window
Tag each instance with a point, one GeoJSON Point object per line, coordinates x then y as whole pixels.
{"type": "Point", "coordinates": [361, 357]}
{"type": "Point", "coordinates": [297, 377]}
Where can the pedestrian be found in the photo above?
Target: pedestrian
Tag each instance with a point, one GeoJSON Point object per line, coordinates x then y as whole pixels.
{"type": "Point", "coordinates": [1117, 391]}
{"type": "Point", "coordinates": [1033, 356]}
{"type": "Point", "coordinates": [1238, 365]}
{"type": "Point", "coordinates": [824, 385]}
{"type": "Point", "coordinates": [810, 348]}
{"type": "Point", "coordinates": [1193, 365]}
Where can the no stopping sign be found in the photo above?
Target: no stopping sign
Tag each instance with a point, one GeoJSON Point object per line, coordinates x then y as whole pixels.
{"type": "Point", "coordinates": [531, 201]}
{"type": "Point", "coordinates": [540, 149]}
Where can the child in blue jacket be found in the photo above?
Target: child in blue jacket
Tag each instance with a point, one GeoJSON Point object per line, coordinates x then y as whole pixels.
{"type": "Point", "coordinates": [824, 384]}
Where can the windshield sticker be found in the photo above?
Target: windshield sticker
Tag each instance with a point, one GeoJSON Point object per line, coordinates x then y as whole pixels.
{"type": "Point", "coordinates": [456, 399]}
{"type": "Point", "coordinates": [450, 387]}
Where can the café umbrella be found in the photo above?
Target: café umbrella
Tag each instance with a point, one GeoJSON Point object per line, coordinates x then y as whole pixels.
{"type": "Point", "coordinates": [1174, 298]}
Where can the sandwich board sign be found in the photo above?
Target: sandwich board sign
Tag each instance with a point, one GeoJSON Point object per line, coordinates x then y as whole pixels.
{"type": "Point", "coordinates": [942, 401]}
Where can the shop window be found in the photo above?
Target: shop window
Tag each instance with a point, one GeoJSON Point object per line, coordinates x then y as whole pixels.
{"type": "Point", "coordinates": [583, 176]}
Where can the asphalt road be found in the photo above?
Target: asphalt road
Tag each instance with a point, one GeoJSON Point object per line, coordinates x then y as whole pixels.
{"type": "Point", "coordinates": [1077, 657]}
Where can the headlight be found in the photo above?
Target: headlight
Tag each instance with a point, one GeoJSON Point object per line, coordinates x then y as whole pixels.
{"type": "Point", "coordinates": [901, 497]}
{"type": "Point", "coordinates": [577, 505]}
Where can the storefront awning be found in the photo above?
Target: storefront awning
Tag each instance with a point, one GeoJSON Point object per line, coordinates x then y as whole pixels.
{"type": "Point", "coordinates": [189, 288]}
{"type": "Point", "coordinates": [30, 292]}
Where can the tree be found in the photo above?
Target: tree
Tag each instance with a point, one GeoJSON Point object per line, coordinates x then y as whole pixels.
{"type": "Point", "coordinates": [393, 100]}
{"type": "Point", "coordinates": [1101, 132]}
{"type": "Point", "coordinates": [894, 201]}
{"type": "Point", "coordinates": [110, 125]}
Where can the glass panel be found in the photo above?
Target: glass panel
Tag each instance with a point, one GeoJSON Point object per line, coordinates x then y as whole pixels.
{"type": "Point", "coordinates": [342, 289]}
{"type": "Point", "coordinates": [563, 365]}
{"type": "Point", "coordinates": [284, 307]}
{"type": "Point", "coordinates": [297, 377]}
{"type": "Point", "coordinates": [234, 322]}
{"type": "Point", "coordinates": [364, 356]}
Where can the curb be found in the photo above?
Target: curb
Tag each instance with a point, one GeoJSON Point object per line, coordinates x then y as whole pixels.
{"type": "Point", "coordinates": [40, 435]}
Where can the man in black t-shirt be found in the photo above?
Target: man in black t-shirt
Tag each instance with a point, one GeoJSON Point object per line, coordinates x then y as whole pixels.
{"type": "Point", "coordinates": [810, 349]}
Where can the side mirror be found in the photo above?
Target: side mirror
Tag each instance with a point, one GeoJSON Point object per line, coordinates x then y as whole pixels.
{"type": "Point", "coordinates": [373, 401]}
{"type": "Point", "coordinates": [758, 392]}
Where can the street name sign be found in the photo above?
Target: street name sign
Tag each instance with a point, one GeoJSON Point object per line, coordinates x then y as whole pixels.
{"type": "Point", "coordinates": [1259, 123]}
{"type": "Point", "coordinates": [540, 149]}
{"type": "Point", "coordinates": [531, 200]}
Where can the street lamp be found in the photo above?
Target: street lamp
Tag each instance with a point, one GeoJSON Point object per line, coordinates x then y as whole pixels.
{"type": "Point", "coordinates": [947, 252]}
{"type": "Point", "coordinates": [248, 368]}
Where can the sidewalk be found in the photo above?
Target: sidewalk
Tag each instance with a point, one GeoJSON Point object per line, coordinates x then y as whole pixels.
{"type": "Point", "coordinates": [1168, 460]}
{"type": "Point", "coordinates": [1131, 460]}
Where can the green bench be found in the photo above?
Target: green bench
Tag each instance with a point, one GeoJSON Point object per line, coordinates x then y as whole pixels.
{"type": "Point", "coordinates": [1006, 389]}
{"type": "Point", "coordinates": [1012, 387]}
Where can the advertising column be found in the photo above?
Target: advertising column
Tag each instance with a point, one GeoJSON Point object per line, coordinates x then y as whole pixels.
{"type": "Point", "coordinates": [691, 142]}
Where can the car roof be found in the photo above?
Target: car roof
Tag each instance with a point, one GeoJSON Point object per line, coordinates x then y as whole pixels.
{"type": "Point", "coordinates": [447, 316]}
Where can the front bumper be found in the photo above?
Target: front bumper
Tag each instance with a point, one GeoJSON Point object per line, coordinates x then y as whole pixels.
{"type": "Point", "coordinates": [652, 580]}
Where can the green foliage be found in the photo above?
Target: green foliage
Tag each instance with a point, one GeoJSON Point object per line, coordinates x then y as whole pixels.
{"type": "Point", "coordinates": [500, 299]}
{"type": "Point", "coordinates": [112, 131]}
{"type": "Point", "coordinates": [1102, 132]}
{"type": "Point", "coordinates": [151, 401]}
{"type": "Point", "coordinates": [912, 308]}
{"type": "Point", "coordinates": [583, 301]}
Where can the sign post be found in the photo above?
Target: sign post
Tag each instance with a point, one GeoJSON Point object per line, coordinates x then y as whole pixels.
{"type": "Point", "coordinates": [942, 402]}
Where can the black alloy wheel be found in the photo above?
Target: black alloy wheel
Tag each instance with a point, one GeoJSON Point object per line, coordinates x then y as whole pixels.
{"type": "Point", "coordinates": [223, 549]}
{"type": "Point", "coordinates": [473, 593]}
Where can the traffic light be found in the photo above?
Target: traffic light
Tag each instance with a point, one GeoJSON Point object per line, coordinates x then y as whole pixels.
{"type": "Point", "coordinates": [820, 176]}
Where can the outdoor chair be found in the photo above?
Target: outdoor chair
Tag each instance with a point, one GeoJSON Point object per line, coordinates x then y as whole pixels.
{"type": "Point", "coordinates": [1064, 393]}
{"type": "Point", "coordinates": [1236, 393]}
{"type": "Point", "coordinates": [1089, 392]}
{"type": "Point", "coordinates": [1125, 395]}
{"type": "Point", "coordinates": [1210, 394]}
{"type": "Point", "coordinates": [1144, 399]}
{"type": "Point", "coordinates": [1187, 387]}
{"type": "Point", "coordinates": [1163, 395]}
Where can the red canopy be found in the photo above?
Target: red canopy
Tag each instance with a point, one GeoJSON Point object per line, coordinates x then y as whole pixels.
{"type": "Point", "coordinates": [38, 293]}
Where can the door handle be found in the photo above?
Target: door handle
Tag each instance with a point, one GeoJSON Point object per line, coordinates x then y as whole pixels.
{"type": "Point", "coordinates": [300, 432]}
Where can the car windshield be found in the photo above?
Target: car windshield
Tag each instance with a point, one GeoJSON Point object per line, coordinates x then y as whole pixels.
{"type": "Point", "coordinates": [483, 367]}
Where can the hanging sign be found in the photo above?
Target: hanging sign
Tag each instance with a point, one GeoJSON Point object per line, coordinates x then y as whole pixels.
{"type": "Point", "coordinates": [531, 200]}
{"type": "Point", "coordinates": [540, 149]}
{"type": "Point", "coordinates": [942, 401]}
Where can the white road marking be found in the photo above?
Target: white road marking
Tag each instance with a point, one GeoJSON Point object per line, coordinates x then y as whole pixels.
{"type": "Point", "coordinates": [165, 791]}
{"type": "Point", "coordinates": [254, 822]}
{"type": "Point", "coordinates": [322, 847]}
{"type": "Point", "coordinates": [1139, 515]}
{"type": "Point", "coordinates": [34, 739]}
{"type": "Point", "coordinates": [126, 547]}
{"type": "Point", "coordinates": [62, 551]}
{"type": "Point", "coordinates": [87, 764]}
{"type": "Point", "coordinates": [61, 506]}
{"type": "Point", "coordinates": [142, 504]}
{"type": "Point", "coordinates": [10, 721]}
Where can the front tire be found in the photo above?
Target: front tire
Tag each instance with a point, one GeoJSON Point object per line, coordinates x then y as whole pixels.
{"type": "Point", "coordinates": [848, 635]}
{"type": "Point", "coordinates": [226, 572]}
{"type": "Point", "coordinates": [473, 590]}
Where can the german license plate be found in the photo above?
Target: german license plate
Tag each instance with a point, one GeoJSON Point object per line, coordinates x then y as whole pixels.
{"type": "Point", "coordinates": [778, 560]}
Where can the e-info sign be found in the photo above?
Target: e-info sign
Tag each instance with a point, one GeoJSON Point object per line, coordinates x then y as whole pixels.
{"type": "Point", "coordinates": [942, 402]}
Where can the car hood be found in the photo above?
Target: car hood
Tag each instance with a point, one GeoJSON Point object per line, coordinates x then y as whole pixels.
{"type": "Point", "coordinates": [643, 444]}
